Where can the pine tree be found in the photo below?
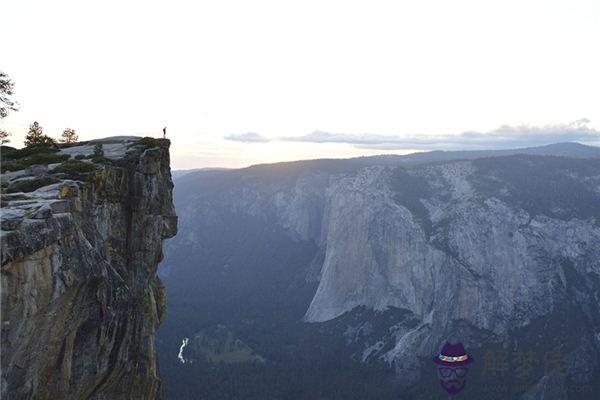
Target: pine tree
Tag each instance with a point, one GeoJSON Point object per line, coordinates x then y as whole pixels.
{"type": "Point", "coordinates": [4, 137]}
{"type": "Point", "coordinates": [69, 136]}
{"type": "Point", "coordinates": [36, 136]}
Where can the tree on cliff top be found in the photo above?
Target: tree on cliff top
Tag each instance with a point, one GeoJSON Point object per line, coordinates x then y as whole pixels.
{"type": "Point", "coordinates": [6, 95]}
{"type": "Point", "coordinates": [69, 136]}
{"type": "Point", "coordinates": [36, 136]}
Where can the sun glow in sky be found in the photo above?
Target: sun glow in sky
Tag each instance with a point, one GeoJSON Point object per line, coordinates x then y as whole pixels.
{"type": "Point", "coordinates": [211, 69]}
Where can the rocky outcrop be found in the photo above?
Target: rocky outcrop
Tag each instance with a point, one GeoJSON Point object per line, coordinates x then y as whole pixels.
{"type": "Point", "coordinates": [81, 300]}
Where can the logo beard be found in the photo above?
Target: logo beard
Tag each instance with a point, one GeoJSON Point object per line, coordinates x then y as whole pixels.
{"type": "Point", "coordinates": [453, 386]}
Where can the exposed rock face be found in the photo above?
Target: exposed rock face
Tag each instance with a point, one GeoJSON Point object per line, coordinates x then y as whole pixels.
{"type": "Point", "coordinates": [80, 297]}
{"type": "Point", "coordinates": [477, 259]}
{"type": "Point", "coordinates": [490, 261]}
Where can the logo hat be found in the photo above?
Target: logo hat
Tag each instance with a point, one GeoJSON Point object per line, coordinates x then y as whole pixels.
{"type": "Point", "coordinates": [453, 355]}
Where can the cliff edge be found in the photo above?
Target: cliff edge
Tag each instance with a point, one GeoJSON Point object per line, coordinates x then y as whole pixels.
{"type": "Point", "coordinates": [81, 242]}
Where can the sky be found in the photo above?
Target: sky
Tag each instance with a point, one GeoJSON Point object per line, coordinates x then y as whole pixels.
{"type": "Point", "coordinates": [245, 82]}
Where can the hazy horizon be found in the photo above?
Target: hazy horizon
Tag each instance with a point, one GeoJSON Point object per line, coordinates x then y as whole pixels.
{"type": "Point", "coordinates": [240, 83]}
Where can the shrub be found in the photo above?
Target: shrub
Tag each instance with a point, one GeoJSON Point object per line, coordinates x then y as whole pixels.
{"type": "Point", "coordinates": [15, 154]}
{"type": "Point", "coordinates": [35, 158]}
{"type": "Point", "coordinates": [98, 151]}
{"type": "Point", "coordinates": [80, 156]}
{"type": "Point", "coordinates": [75, 167]}
{"type": "Point", "coordinates": [12, 166]}
{"type": "Point", "coordinates": [47, 158]}
{"type": "Point", "coordinates": [4, 149]}
{"type": "Point", "coordinates": [31, 184]}
{"type": "Point", "coordinates": [147, 142]}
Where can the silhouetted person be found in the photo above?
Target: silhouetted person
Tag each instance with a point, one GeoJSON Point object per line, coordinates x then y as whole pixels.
{"type": "Point", "coordinates": [165, 132]}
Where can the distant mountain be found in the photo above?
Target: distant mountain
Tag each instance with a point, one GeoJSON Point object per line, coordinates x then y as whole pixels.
{"type": "Point", "coordinates": [178, 173]}
{"type": "Point", "coordinates": [347, 276]}
{"type": "Point", "coordinates": [567, 149]}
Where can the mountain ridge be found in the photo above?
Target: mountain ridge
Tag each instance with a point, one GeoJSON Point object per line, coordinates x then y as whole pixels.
{"type": "Point", "coordinates": [483, 251]}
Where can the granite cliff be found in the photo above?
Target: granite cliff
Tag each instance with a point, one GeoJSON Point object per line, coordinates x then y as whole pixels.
{"type": "Point", "coordinates": [81, 242]}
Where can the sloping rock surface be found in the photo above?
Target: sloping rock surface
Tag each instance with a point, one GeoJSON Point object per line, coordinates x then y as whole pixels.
{"type": "Point", "coordinates": [80, 297]}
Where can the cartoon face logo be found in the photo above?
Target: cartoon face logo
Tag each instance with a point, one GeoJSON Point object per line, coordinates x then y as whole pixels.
{"type": "Point", "coordinates": [452, 368]}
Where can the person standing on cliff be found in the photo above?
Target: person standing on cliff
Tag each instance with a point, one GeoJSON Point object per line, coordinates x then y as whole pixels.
{"type": "Point", "coordinates": [165, 132]}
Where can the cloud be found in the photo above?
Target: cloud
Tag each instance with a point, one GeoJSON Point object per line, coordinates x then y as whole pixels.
{"type": "Point", "coordinates": [503, 137]}
{"type": "Point", "coordinates": [249, 137]}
